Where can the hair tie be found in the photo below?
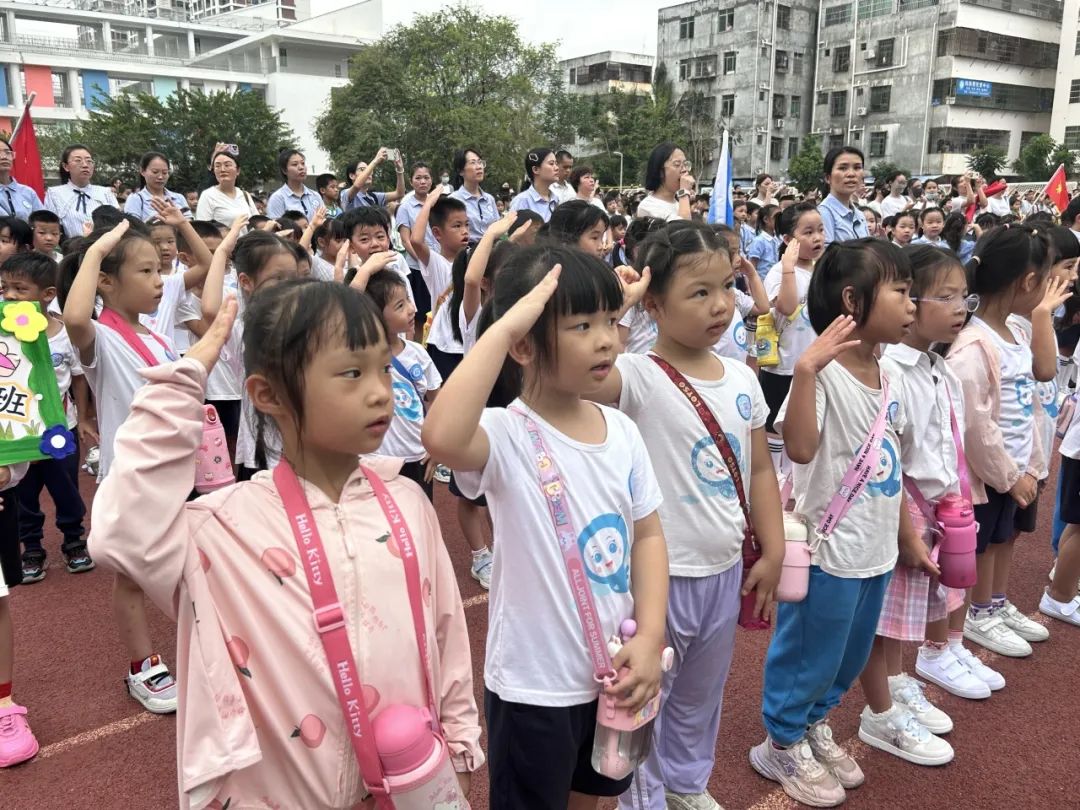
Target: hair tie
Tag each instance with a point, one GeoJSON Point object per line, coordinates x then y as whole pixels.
{"type": "Point", "coordinates": [976, 259]}
{"type": "Point", "coordinates": [1034, 231]}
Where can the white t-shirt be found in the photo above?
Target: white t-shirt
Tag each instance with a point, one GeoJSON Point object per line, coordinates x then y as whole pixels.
{"type": "Point", "coordinates": [226, 378]}
{"type": "Point", "coordinates": [796, 333]}
{"type": "Point", "coordinates": [216, 206]}
{"type": "Point", "coordinates": [735, 342]}
{"type": "Point", "coordinates": [653, 206]}
{"type": "Point", "coordinates": [1017, 414]}
{"type": "Point", "coordinates": [864, 542]}
{"type": "Point", "coordinates": [535, 645]}
{"type": "Point", "coordinates": [65, 363]}
{"type": "Point", "coordinates": [1046, 392]}
{"type": "Point", "coordinates": [402, 440]}
{"type": "Point", "coordinates": [468, 329]}
{"type": "Point", "coordinates": [163, 319]}
{"type": "Point", "coordinates": [891, 206]}
{"type": "Point", "coordinates": [642, 328]}
{"type": "Point", "coordinates": [438, 274]}
{"type": "Point", "coordinates": [113, 374]}
{"type": "Point", "coordinates": [321, 269]}
{"type": "Point", "coordinates": [927, 387]}
{"type": "Point", "coordinates": [998, 206]}
{"type": "Point", "coordinates": [703, 521]}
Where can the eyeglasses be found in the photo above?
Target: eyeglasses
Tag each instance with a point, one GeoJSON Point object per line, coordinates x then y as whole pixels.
{"type": "Point", "coordinates": [79, 161]}
{"type": "Point", "coordinates": [476, 164]}
{"type": "Point", "coordinates": [968, 303]}
{"type": "Point", "coordinates": [681, 164]}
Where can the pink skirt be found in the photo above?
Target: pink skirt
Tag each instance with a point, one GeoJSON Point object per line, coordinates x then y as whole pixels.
{"type": "Point", "coordinates": [914, 598]}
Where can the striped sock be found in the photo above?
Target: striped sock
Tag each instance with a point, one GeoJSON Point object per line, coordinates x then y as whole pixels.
{"type": "Point", "coordinates": [997, 602]}
{"type": "Point", "coordinates": [776, 451]}
{"type": "Point", "coordinates": [979, 609]}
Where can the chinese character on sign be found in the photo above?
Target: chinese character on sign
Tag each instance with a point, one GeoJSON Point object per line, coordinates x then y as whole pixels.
{"type": "Point", "coordinates": [973, 87]}
{"type": "Point", "coordinates": [13, 399]}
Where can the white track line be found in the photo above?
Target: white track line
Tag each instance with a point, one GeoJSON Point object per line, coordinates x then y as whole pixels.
{"type": "Point", "coordinates": [95, 734]}
{"type": "Point", "coordinates": [472, 601]}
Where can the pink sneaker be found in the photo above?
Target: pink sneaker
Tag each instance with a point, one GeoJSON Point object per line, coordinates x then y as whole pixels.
{"type": "Point", "coordinates": [17, 741]}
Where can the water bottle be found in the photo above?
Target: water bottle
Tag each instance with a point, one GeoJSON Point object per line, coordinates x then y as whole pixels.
{"type": "Point", "coordinates": [415, 760]}
{"type": "Point", "coordinates": [622, 739]}
{"type": "Point", "coordinates": [795, 575]}
{"type": "Point", "coordinates": [213, 467]}
{"type": "Point", "coordinates": [959, 533]}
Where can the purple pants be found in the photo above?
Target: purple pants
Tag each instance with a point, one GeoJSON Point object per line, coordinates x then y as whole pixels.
{"type": "Point", "coordinates": [701, 618]}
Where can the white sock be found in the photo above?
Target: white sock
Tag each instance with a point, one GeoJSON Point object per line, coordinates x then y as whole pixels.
{"type": "Point", "coordinates": [476, 555]}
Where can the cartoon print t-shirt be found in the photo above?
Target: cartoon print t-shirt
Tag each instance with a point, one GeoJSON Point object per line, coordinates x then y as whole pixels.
{"type": "Point", "coordinates": [864, 542]}
{"type": "Point", "coordinates": [796, 333]}
{"type": "Point", "coordinates": [642, 328]}
{"type": "Point", "coordinates": [402, 439]}
{"type": "Point", "coordinates": [535, 645]}
{"type": "Point", "coordinates": [703, 522]}
{"type": "Point", "coordinates": [1045, 392]}
{"type": "Point", "coordinates": [734, 343]}
{"type": "Point", "coordinates": [1017, 415]}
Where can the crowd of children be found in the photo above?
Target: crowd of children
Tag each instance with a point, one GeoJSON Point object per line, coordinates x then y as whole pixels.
{"type": "Point", "coordinates": [633, 416]}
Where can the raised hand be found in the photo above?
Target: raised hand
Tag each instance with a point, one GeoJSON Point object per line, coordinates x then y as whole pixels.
{"type": "Point", "coordinates": [318, 218]}
{"type": "Point", "coordinates": [829, 345]}
{"type": "Point", "coordinates": [500, 227]}
{"type": "Point", "coordinates": [208, 349]}
{"type": "Point", "coordinates": [1058, 291]}
{"type": "Point", "coordinates": [109, 240]}
{"type": "Point", "coordinates": [634, 284]}
{"type": "Point", "coordinates": [519, 319]}
{"type": "Point", "coordinates": [229, 242]}
{"type": "Point", "coordinates": [167, 212]}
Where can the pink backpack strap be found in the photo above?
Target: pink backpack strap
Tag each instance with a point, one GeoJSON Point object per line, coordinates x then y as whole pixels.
{"type": "Point", "coordinates": [114, 321]}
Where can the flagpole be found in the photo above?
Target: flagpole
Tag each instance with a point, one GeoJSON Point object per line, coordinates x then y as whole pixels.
{"type": "Point", "coordinates": [26, 107]}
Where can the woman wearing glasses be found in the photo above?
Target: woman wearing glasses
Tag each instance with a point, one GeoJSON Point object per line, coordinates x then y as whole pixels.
{"type": "Point", "coordinates": [76, 199]}
{"type": "Point", "coordinates": [154, 169]}
{"type": "Point", "coordinates": [541, 172]}
{"type": "Point", "coordinates": [480, 206]}
{"type": "Point", "coordinates": [669, 183]}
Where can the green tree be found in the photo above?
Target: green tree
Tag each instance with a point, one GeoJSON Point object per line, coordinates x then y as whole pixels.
{"type": "Point", "coordinates": [1040, 157]}
{"type": "Point", "coordinates": [987, 160]}
{"type": "Point", "coordinates": [806, 169]}
{"type": "Point", "coordinates": [451, 79]}
{"type": "Point", "coordinates": [882, 169]}
{"type": "Point", "coordinates": [185, 127]}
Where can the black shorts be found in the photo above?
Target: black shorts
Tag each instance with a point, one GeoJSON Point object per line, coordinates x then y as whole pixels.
{"type": "Point", "coordinates": [775, 387]}
{"type": "Point", "coordinates": [1069, 473]}
{"type": "Point", "coordinates": [445, 362]}
{"type": "Point", "coordinates": [537, 755]}
{"type": "Point", "coordinates": [10, 552]}
{"type": "Point", "coordinates": [1027, 518]}
{"type": "Point", "coordinates": [996, 519]}
{"type": "Point", "coordinates": [414, 471]}
{"type": "Point", "coordinates": [455, 490]}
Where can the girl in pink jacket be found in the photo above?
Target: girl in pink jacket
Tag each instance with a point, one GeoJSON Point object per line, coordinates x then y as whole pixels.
{"type": "Point", "coordinates": [260, 724]}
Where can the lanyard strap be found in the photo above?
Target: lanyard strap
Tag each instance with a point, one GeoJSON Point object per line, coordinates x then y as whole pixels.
{"type": "Point", "coordinates": [329, 616]}
{"type": "Point", "coordinates": [858, 471]}
{"type": "Point", "coordinates": [114, 321]}
{"type": "Point", "coordinates": [750, 545]}
{"type": "Point", "coordinates": [961, 468]}
{"type": "Point", "coordinates": [399, 367]}
{"type": "Point", "coordinates": [555, 494]}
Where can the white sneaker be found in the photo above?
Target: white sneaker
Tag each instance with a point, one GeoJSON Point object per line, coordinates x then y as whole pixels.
{"type": "Point", "coordinates": [897, 732]}
{"type": "Point", "coordinates": [803, 778]}
{"type": "Point", "coordinates": [1020, 624]}
{"type": "Point", "coordinates": [691, 801]}
{"type": "Point", "coordinates": [481, 568]}
{"type": "Point", "coordinates": [442, 474]}
{"type": "Point", "coordinates": [991, 677]}
{"type": "Point", "coordinates": [1057, 610]}
{"type": "Point", "coordinates": [153, 687]}
{"type": "Point", "coordinates": [990, 631]}
{"type": "Point", "coordinates": [1051, 577]}
{"type": "Point", "coordinates": [950, 673]}
{"type": "Point", "coordinates": [832, 756]}
{"type": "Point", "coordinates": [908, 693]}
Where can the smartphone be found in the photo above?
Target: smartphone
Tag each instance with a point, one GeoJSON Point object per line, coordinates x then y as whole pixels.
{"type": "Point", "coordinates": [232, 149]}
{"type": "Point", "coordinates": [393, 155]}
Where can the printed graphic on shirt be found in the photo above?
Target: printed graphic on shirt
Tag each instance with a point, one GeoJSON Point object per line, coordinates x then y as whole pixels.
{"type": "Point", "coordinates": [1025, 392]}
{"type": "Point", "coordinates": [739, 336]}
{"type": "Point", "coordinates": [885, 477]}
{"type": "Point", "coordinates": [407, 404]}
{"type": "Point", "coordinates": [710, 469]}
{"type": "Point", "coordinates": [745, 406]}
{"type": "Point", "coordinates": [605, 548]}
{"type": "Point", "coordinates": [1048, 397]}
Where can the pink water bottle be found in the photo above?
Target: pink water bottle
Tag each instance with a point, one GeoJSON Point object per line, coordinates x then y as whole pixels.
{"type": "Point", "coordinates": [213, 467]}
{"type": "Point", "coordinates": [957, 555]}
{"type": "Point", "coordinates": [795, 575]}
{"type": "Point", "coordinates": [415, 760]}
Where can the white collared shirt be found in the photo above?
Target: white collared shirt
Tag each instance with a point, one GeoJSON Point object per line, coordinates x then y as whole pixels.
{"type": "Point", "coordinates": [74, 205]}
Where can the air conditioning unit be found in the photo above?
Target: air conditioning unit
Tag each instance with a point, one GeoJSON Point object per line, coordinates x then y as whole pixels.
{"type": "Point", "coordinates": [765, 42]}
{"type": "Point", "coordinates": [762, 130]}
{"type": "Point", "coordinates": [869, 54]}
{"type": "Point", "coordinates": [763, 86]}
{"type": "Point", "coordinates": [950, 99]}
{"type": "Point", "coordinates": [778, 123]}
{"type": "Point", "coordinates": [836, 131]}
{"type": "Point", "coordinates": [863, 111]}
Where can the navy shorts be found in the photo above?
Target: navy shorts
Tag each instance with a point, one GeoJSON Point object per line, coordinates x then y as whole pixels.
{"type": "Point", "coordinates": [1070, 490]}
{"type": "Point", "coordinates": [1001, 518]}
{"type": "Point", "coordinates": [537, 755]}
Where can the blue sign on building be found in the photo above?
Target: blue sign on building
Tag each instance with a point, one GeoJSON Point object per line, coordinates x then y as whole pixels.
{"type": "Point", "coordinates": [973, 87]}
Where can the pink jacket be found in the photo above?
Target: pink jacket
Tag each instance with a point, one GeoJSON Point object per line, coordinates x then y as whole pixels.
{"type": "Point", "coordinates": [975, 360]}
{"type": "Point", "coordinates": [259, 723]}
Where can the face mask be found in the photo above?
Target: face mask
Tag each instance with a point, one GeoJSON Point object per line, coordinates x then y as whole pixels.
{"type": "Point", "coordinates": [932, 196]}
{"type": "Point", "coordinates": [444, 179]}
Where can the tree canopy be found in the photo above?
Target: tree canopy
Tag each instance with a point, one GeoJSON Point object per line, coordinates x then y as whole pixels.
{"type": "Point", "coordinates": [987, 160]}
{"type": "Point", "coordinates": [1040, 157]}
{"type": "Point", "coordinates": [806, 169]}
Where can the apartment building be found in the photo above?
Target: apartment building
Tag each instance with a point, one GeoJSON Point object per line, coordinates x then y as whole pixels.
{"type": "Point", "coordinates": [1065, 118]}
{"type": "Point", "coordinates": [606, 72]}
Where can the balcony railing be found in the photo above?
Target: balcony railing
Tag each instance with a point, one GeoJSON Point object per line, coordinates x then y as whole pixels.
{"type": "Point", "coordinates": [64, 45]}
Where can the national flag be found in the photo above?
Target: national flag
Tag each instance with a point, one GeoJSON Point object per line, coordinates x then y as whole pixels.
{"type": "Point", "coordinates": [27, 165]}
{"type": "Point", "coordinates": [1056, 190]}
{"type": "Point", "coordinates": [720, 209]}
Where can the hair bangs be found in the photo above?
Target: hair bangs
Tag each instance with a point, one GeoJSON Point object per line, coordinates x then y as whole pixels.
{"type": "Point", "coordinates": [587, 286]}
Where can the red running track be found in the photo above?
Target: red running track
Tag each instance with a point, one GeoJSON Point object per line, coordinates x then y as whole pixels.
{"type": "Point", "coordinates": [100, 750]}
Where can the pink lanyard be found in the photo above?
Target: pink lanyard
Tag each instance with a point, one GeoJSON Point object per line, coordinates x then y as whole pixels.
{"type": "Point", "coordinates": [961, 469]}
{"type": "Point", "coordinates": [329, 616]}
{"type": "Point", "coordinates": [858, 471]}
{"type": "Point", "coordinates": [112, 319]}
{"type": "Point", "coordinates": [554, 491]}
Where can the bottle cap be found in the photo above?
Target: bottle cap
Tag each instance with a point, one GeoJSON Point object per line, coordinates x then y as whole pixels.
{"type": "Point", "coordinates": [403, 737]}
{"type": "Point", "coordinates": [628, 629]}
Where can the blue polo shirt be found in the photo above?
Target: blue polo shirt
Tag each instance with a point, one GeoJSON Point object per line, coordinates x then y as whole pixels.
{"type": "Point", "coordinates": [17, 200]}
{"type": "Point", "coordinates": [842, 223]}
{"type": "Point", "coordinates": [530, 200]}
{"type": "Point", "coordinates": [138, 204]}
{"type": "Point", "coordinates": [282, 200]}
{"type": "Point", "coordinates": [480, 210]}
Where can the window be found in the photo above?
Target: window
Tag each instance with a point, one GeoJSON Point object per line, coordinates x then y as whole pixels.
{"type": "Point", "coordinates": [725, 20]}
{"type": "Point", "coordinates": [763, 95]}
{"type": "Point", "coordinates": [727, 106]}
{"type": "Point", "coordinates": [836, 141]}
{"type": "Point", "coordinates": [684, 69]}
{"type": "Point", "coordinates": [337, 70]}
{"type": "Point", "coordinates": [779, 105]}
{"type": "Point", "coordinates": [1076, 48]}
{"type": "Point", "coordinates": [943, 40]}
{"type": "Point", "coordinates": [783, 17]}
{"type": "Point", "coordinates": [573, 75]}
{"type": "Point", "coordinates": [1072, 138]}
{"type": "Point", "coordinates": [874, 8]}
{"type": "Point", "coordinates": [705, 67]}
{"type": "Point", "coordinates": [61, 96]}
{"type": "Point", "coordinates": [879, 142]}
{"type": "Point", "coordinates": [797, 62]}
{"type": "Point", "coordinates": [838, 103]}
{"type": "Point", "coordinates": [880, 97]}
{"type": "Point", "coordinates": [992, 95]}
{"type": "Point", "coordinates": [792, 147]}
{"type": "Point", "coordinates": [283, 58]}
{"type": "Point", "coordinates": [760, 139]}
{"type": "Point", "coordinates": [686, 28]}
{"type": "Point", "coordinates": [782, 63]}
{"type": "Point", "coordinates": [885, 48]}
{"type": "Point", "coordinates": [823, 97]}
{"type": "Point", "coordinates": [796, 106]}
{"type": "Point", "coordinates": [956, 139]}
{"type": "Point", "coordinates": [729, 62]}
{"type": "Point", "coordinates": [841, 59]}
{"type": "Point", "coordinates": [1074, 92]}
{"type": "Point", "coordinates": [776, 149]}
{"type": "Point", "coordinates": [838, 15]}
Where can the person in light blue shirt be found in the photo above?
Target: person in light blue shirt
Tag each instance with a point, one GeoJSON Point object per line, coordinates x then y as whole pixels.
{"type": "Point", "coordinates": [76, 199]}
{"type": "Point", "coordinates": [843, 171]}
{"type": "Point", "coordinates": [480, 207]}
{"type": "Point", "coordinates": [541, 171]}
{"type": "Point", "coordinates": [16, 200]}
{"type": "Point", "coordinates": [409, 209]}
{"type": "Point", "coordinates": [362, 175]}
{"type": "Point", "coordinates": [293, 194]}
{"type": "Point", "coordinates": [154, 170]}
{"type": "Point", "coordinates": [764, 250]}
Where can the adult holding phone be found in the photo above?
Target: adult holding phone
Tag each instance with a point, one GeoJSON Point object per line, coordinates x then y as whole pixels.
{"type": "Point", "coordinates": [360, 193]}
{"type": "Point", "coordinates": [225, 201]}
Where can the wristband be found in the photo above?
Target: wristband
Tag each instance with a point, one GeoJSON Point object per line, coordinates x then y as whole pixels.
{"type": "Point", "coordinates": [682, 194]}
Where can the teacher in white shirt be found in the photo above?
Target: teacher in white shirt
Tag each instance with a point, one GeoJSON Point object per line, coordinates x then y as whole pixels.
{"type": "Point", "coordinates": [669, 183]}
{"type": "Point", "coordinates": [75, 199]}
{"type": "Point", "coordinates": [224, 202]}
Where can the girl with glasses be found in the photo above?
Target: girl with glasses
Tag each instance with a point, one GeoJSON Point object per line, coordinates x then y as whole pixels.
{"type": "Point", "coordinates": [480, 206]}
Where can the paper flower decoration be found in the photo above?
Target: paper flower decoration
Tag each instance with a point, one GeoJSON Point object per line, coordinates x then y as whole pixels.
{"type": "Point", "coordinates": [57, 442]}
{"type": "Point", "coordinates": [23, 320]}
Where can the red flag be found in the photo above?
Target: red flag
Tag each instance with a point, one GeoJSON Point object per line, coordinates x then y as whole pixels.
{"type": "Point", "coordinates": [1056, 190]}
{"type": "Point", "coordinates": [27, 166]}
